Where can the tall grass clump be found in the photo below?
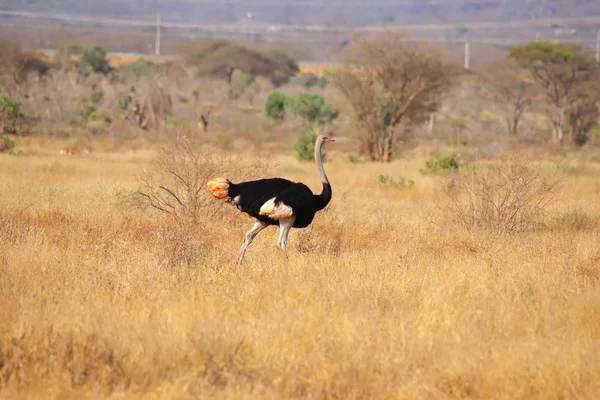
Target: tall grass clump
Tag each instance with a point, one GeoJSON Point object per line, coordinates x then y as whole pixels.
{"type": "Point", "coordinates": [512, 196]}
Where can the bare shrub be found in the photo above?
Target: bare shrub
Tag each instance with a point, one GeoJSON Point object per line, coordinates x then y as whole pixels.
{"type": "Point", "coordinates": [506, 198]}
{"type": "Point", "coordinates": [176, 184]}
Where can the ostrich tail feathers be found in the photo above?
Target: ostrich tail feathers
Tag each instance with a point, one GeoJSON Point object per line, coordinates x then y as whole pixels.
{"type": "Point", "coordinates": [218, 188]}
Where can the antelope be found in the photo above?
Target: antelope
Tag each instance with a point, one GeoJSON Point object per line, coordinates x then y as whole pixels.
{"type": "Point", "coordinates": [208, 108]}
{"type": "Point", "coordinates": [71, 151]}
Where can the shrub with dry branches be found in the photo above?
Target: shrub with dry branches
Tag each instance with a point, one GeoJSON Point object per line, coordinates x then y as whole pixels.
{"type": "Point", "coordinates": [177, 183]}
{"type": "Point", "coordinates": [506, 198]}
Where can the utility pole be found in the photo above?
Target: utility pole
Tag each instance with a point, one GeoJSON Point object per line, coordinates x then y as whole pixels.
{"type": "Point", "coordinates": [467, 54]}
{"type": "Point", "coordinates": [537, 36]}
{"type": "Point", "coordinates": [157, 43]}
{"type": "Point", "coordinates": [598, 45]}
{"type": "Point", "coordinates": [229, 12]}
{"type": "Point", "coordinates": [287, 14]}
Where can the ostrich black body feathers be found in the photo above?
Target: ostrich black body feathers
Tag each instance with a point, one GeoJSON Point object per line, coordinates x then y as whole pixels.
{"type": "Point", "coordinates": [253, 194]}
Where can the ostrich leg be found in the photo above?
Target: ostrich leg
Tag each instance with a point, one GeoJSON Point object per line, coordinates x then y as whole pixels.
{"type": "Point", "coordinates": [250, 235]}
{"type": "Point", "coordinates": [285, 224]}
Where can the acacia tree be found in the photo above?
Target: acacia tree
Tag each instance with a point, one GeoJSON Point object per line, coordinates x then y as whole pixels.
{"type": "Point", "coordinates": [389, 84]}
{"type": "Point", "coordinates": [511, 92]}
{"type": "Point", "coordinates": [583, 113]}
{"type": "Point", "coordinates": [558, 70]}
{"type": "Point", "coordinates": [222, 59]}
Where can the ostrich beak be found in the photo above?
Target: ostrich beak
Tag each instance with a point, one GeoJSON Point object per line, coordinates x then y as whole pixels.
{"type": "Point", "coordinates": [327, 140]}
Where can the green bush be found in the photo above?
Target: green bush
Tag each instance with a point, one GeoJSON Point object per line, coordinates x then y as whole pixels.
{"type": "Point", "coordinates": [275, 106]}
{"type": "Point", "coordinates": [322, 82]}
{"type": "Point", "coordinates": [387, 181]}
{"type": "Point", "coordinates": [11, 115]}
{"type": "Point", "coordinates": [95, 59]}
{"type": "Point", "coordinates": [460, 142]}
{"type": "Point", "coordinates": [456, 124]}
{"type": "Point", "coordinates": [442, 163]}
{"type": "Point", "coordinates": [355, 159]}
{"type": "Point", "coordinates": [313, 109]}
{"type": "Point", "coordinates": [97, 96]}
{"type": "Point", "coordinates": [138, 68]}
{"type": "Point", "coordinates": [305, 146]}
{"type": "Point", "coordinates": [6, 144]}
{"type": "Point", "coordinates": [87, 107]}
{"type": "Point", "coordinates": [239, 83]}
{"type": "Point", "coordinates": [85, 110]}
{"type": "Point", "coordinates": [126, 100]}
{"type": "Point", "coordinates": [309, 106]}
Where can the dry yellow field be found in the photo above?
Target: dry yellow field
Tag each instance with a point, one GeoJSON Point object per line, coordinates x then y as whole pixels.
{"type": "Point", "coordinates": [375, 300]}
{"type": "Point", "coordinates": [318, 70]}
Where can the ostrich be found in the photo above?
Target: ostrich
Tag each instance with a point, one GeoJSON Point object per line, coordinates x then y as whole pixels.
{"type": "Point", "coordinates": [275, 201]}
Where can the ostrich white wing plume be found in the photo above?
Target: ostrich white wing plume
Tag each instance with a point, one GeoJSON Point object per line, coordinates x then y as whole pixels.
{"type": "Point", "coordinates": [276, 210]}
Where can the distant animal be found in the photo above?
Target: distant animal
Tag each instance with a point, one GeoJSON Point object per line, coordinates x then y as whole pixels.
{"type": "Point", "coordinates": [203, 123]}
{"type": "Point", "coordinates": [208, 108]}
{"type": "Point", "coordinates": [70, 151]}
{"type": "Point", "coordinates": [275, 201]}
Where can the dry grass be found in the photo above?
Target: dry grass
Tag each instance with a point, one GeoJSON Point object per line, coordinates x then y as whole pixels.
{"type": "Point", "coordinates": [99, 300]}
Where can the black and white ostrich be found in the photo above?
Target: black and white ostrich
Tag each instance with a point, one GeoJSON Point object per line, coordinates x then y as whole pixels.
{"type": "Point", "coordinates": [275, 201]}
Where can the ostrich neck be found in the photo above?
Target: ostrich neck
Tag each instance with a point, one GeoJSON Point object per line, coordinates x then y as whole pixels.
{"type": "Point", "coordinates": [323, 199]}
{"type": "Point", "coordinates": [319, 163]}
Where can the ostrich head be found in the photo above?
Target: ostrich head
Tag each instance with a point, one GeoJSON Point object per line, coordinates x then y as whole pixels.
{"type": "Point", "coordinates": [324, 139]}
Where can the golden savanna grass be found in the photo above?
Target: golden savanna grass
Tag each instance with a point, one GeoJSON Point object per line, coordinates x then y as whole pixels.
{"type": "Point", "coordinates": [380, 298]}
